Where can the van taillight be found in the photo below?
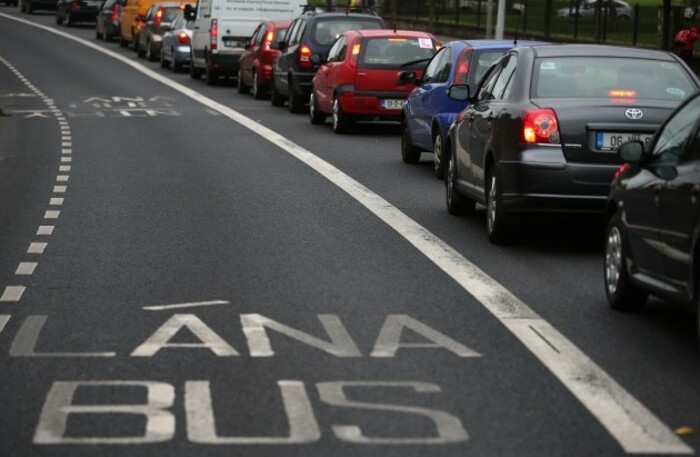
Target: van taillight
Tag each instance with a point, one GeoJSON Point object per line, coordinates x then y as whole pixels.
{"type": "Point", "coordinates": [183, 38]}
{"type": "Point", "coordinates": [540, 126]}
{"type": "Point", "coordinates": [305, 56]}
{"type": "Point", "coordinates": [213, 34]}
{"type": "Point", "coordinates": [115, 12]}
{"type": "Point", "coordinates": [159, 16]}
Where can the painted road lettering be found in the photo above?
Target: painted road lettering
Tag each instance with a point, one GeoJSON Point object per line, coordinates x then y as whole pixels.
{"type": "Point", "coordinates": [160, 426]}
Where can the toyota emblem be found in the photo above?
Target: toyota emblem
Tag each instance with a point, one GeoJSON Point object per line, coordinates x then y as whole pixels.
{"type": "Point", "coordinates": [634, 113]}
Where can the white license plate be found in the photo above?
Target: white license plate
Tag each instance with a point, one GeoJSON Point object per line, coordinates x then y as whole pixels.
{"type": "Point", "coordinates": [93, 4]}
{"type": "Point", "coordinates": [393, 104]}
{"type": "Point", "coordinates": [610, 141]}
{"type": "Point", "coordinates": [234, 43]}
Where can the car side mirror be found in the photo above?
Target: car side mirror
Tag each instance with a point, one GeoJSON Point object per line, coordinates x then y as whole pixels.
{"type": "Point", "coordinates": [407, 77]}
{"type": "Point", "coordinates": [190, 13]}
{"type": "Point", "coordinates": [459, 92]}
{"type": "Point", "coordinates": [632, 152]}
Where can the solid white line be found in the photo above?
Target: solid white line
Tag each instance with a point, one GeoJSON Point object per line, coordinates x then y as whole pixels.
{"type": "Point", "coordinates": [51, 214]}
{"type": "Point", "coordinates": [60, 189]}
{"type": "Point", "coordinates": [45, 230]}
{"type": "Point", "coordinates": [36, 248]}
{"type": "Point", "coordinates": [634, 427]}
{"type": "Point", "coordinates": [12, 294]}
{"type": "Point", "coordinates": [26, 268]}
{"type": "Point", "coordinates": [186, 305]}
{"type": "Point", "coordinates": [56, 201]}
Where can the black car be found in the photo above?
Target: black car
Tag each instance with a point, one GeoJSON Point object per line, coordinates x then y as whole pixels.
{"type": "Point", "coordinates": [107, 21]}
{"type": "Point", "coordinates": [542, 129]}
{"type": "Point", "coordinates": [72, 11]}
{"type": "Point", "coordinates": [308, 40]}
{"type": "Point", "coordinates": [651, 244]}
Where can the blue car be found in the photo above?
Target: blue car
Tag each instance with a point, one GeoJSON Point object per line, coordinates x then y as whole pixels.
{"type": "Point", "coordinates": [429, 112]}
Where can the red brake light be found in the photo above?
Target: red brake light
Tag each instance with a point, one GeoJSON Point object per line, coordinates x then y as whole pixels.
{"type": "Point", "coordinates": [540, 126]}
{"type": "Point", "coordinates": [621, 170]}
{"type": "Point", "coordinates": [463, 66]}
{"type": "Point", "coordinates": [356, 49]}
{"type": "Point", "coordinates": [305, 56]}
{"type": "Point", "coordinates": [159, 16]}
{"type": "Point", "coordinates": [183, 38]}
{"type": "Point", "coordinates": [115, 12]}
{"type": "Point", "coordinates": [213, 34]}
{"type": "Point", "coordinates": [269, 37]}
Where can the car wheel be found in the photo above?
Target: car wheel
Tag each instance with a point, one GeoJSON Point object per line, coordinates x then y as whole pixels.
{"type": "Point", "coordinates": [163, 63]}
{"type": "Point", "coordinates": [122, 42]}
{"type": "Point", "coordinates": [195, 73]}
{"type": "Point", "coordinates": [439, 164]}
{"type": "Point", "coordinates": [457, 204]}
{"type": "Point", "coordinates": [243, 88]}
{"type": "Point", "coordinates": [59, 19]}
{"type": "Point", "coordinates": [150, 52]}
{"type": "Point", "coordinates": [210, 75]}
{"type": "Point", "coordinates": [69, 19]}
{"type": "Point", "coordinates": [315, 116]}
{"type": "Point", "coordinates": [105, 35]}
{"type": "Point", "coordinates": [342, 123]}
{"type": "Point", "coordinates": [258, 91]}
{"type": "Point", "coordinates": [496, 219]}
{"type": "Point", "coordinates": [276, 99]}
{"type": "Point", "coordinates": [296, 103]}
{"type": "Point", "coordinates": [29, 9]}
{"type": "Point", "coordinates": [140, 52]}
{"type": "Point", "coordinates": [622, 294]}
{"type": "Point", "coordinates": [409, 153]}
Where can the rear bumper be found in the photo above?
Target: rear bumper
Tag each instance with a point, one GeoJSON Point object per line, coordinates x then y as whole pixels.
{"type": "Point", "coordinates": [369, 103]}
{"type": "Point", "coordinates": [225, 64]}
{"type": "Point", "coordinates": [543, 181]}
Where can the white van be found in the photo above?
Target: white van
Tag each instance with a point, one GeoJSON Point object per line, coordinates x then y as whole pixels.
{"type": "Point", "coordinates": [223, 28]}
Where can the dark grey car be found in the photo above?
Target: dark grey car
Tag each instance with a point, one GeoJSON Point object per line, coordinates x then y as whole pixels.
{"type": "Point", "coordinates": [107, 24]}
{"type": "Point", "coordinates": [158, 20]}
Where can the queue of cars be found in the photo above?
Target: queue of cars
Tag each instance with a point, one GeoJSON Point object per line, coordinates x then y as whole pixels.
{"type": "Point", "coordinates": [521, 128]}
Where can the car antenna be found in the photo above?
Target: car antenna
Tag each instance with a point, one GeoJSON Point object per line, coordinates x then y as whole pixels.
{"type": "Point", "coordinates": [517, 29]}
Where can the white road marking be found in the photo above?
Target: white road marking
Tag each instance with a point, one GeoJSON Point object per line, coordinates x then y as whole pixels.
{"type": "Point", "coordinates": [66, 159]}
{"type": "Point", "coordinates": [634, 427]}
{"type": "Point", "coordinates": [66, 151]}
{"type": "Point", "coordinates": [45, 230]}
{"type": "Point", "coordinates": [66, 138]}
{"type": "Point", "coordinates": [51, 214]}
{"type": "Point", "coordinates": [4, 319]}
{"type": "Point", "coordinates": [26, 268]}
{"type": "Point", "coordinates": [12, 293]}
{"type": "Point", "coordinates": [60, 189]}
{"type": "Point", "coordinates": [62, 178]}
{"type": "Point", "coordinates": [64, 168]}
{"type": "Point", "coordinates": [66, 144]}
{"type": "Point", "coordinates": [56, 201]}
{"type": "Point", "coordinates": [186, 305]}
{"type": "Point", "coordinates": [36, 248]}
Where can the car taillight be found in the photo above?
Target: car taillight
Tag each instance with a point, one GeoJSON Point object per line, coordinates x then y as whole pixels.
{"type": "Point", "coordinates": [183, 38]}
{"type": "Point", "coordinates": [463, 66]}
{"type": "Point", "coordinates": [213, 34]}
{"type": "Point", "coordinates": [305, 56]}
{"type": "Point", "coordinates": [540, 126]}
{"type": "Point", "coordinates": [75, 4]}
{"type": "Point", "coordinates": [115, 13]}
{"type": "Point", "coordinates": [159, 16]}
{"type": "Point", "coordinates": [355, 54]}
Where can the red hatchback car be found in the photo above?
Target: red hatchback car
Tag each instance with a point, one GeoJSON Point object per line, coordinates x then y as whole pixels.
{"type": "Point", "coordinates": [255, 69]}
{"type": "Point", "coordinates": [359, 79]}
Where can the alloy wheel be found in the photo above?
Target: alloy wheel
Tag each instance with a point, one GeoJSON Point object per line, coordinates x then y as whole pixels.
{"type": "Point", "coordinates": [437, 156]}
{"type": "Point", "coordinates": [336, 115]}
{"type": "Point", "coordinates": [613, 259]}
{"type": "Point", "coordinates": [491, 210]}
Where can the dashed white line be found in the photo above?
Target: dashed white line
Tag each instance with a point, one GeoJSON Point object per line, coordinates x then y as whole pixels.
{"type": "Point", "coordinates": [64, 168]}
{"type": "Point", "coordinates": [66, 151]}
{"type": "Point", "coordinates": [51, 214]}
{"type": "Point", "coordinates": [26, 268]}
{"type": "Point", "coordinates": [45, 230]}
{"type": "Point", "coordinates": [62, 178]}
{"type": "Point", "coordinates": [12, 293]}
{"type": "Point", "coordinates": [60, 189]}
{"type": "Point", "coordinates": [56, 201]}
{"type": "Point", "coordinates": [66, 159]}
{"type": "Point", "coordinates": [37, 247]}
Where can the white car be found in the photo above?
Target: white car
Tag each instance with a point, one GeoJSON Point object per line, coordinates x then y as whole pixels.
{"type": "Point", "coordinates": [586, 9]}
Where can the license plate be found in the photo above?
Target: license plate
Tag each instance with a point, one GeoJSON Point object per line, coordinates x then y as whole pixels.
{"type": "Point", "coordinates": [234, 43]}
{"type": "Point", "coordinates": [93, 4]}
{"type": "Point", "coordinates": [393, 104]}
{"type": "Point", "coordinates": [610, 141]}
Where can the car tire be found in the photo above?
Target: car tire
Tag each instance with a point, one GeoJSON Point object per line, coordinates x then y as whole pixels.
{"type": "Point", "coordinates": [409, 153]}
{"type": "Point", "coordinates": [243, 88]}
{"type": "Point", "coordinates": [439, 165]}
{"type": "Point", "coordinates": [297, 104]}
{"type": "Point", "coordinates": [316, 117]}
{"type": "Point", "coordinates": [161, 57]}
{"type": "Point", "coordinates": [98, 36]}
{"type": "Point", "coordinates": [29, 9]}
{"type": "Point", "coordinates": [105, 36]}
{"type": "Point", "coordinates": [140, 52]}
{"type": "Point", "coordinates": [457, 204]}
{"type": "Point", "coordinates": [622, 294]}
{"type": "Point", "coordinates": [122, 42]}
{"type": "Point", "coordinates": [496, 217]}
{"type": "Point", "coordinates": [150, 52]}
{"type": "Point", "coordinates": [258, 90]}
{"type": "Point", "coordinates": [342, 123]}
{"type": "Point", "coordinates": [59, 19]}
{"type": "Point", "coordinates": [210, 75]}
{"type": "Point", "coordinates": [69, 19]}
{"type": "Point", "coordinates": [276, 99]}
{"type": "Point", "coordinates": [195, 73]}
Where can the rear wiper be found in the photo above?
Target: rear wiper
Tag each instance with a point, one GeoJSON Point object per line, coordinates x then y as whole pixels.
{"type": "Point", "coordinates": [408, 64]}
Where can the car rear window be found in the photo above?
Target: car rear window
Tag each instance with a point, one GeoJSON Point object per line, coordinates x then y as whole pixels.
{"type": "Point", "coordinates": [483, 60]}
{"type": "Point", "coordinates": [170, 13]}
{"type": "Point", "coordinates": [610, 77]}
{"type": "Point", "coordinates": [327, 30]}
{"type": "Point", "coordinates": [393, 52]}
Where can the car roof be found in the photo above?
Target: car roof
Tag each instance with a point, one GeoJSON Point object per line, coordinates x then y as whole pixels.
{"type": "Point", "coordinates": [498, 44]}
{"type": "Point", "coordinates": [598, 50]}
{"type": "Point", "coordinates": [338, 15]}
{"type": "Point", "coordinates": [374, 33]}
{"type": "Point", "coordinates": [279, 23]}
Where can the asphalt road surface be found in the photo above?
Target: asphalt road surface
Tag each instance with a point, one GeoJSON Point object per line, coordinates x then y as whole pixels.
{"type": "Point", "coordinates": [188, 271]}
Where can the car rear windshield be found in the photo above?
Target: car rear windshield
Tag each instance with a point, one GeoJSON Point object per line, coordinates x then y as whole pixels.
{"type": "Point", "coordinates": [378, 53]}
{"type": "Point", "coordinates": [170, 13]}
{"type": "Point", "coordinates": [280, 34]}
{"type": "Point", "coordinates": [483, 61]}
{"type": "Point", "coordinates": [327, 30]}
{"type": "Point", "coordinates": [609, 77]}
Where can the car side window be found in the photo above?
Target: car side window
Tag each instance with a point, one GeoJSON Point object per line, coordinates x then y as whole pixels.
{"type": "Point", "coordinates": [149, 13]}
{"type": "Point", "coordinates": [501, 88]}
{"type": "Point", "coordinates": [342, 51]}
{"type": "Point", "coordinates": [430, 73]}
{"type": "Point", "coordinates": [486, 89]}
{"type": "Point", "coordinates": [292, 31]}
{"type": "Point", "coordinates": [254, 36]}
{"type": "Point", "coordinates": [260, 36]}
{"type": "Point", "coordinates": [333, 52]}
{"type": "Point", "coordinates": [693, 154]}
{"type": "Point", "coordinates": [671, 141]}
{"type": "Point", "coordinates": [445, 67]}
